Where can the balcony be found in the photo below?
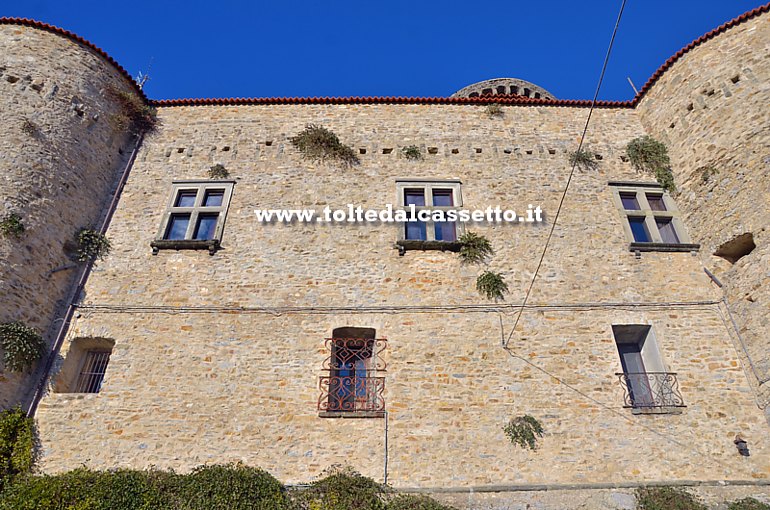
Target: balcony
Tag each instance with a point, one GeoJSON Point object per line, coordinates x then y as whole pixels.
{"type": "Point", "coordinates": [651, 392]}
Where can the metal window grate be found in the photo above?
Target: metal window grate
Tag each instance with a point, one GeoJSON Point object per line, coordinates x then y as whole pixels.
{"type": "Point", "coordinates": [351, 383]}
{"type": "Point", "coordinates": [92, 374]}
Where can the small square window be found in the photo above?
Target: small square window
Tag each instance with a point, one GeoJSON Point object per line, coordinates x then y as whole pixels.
{"type": "Point", "coordinates": [639, 229]}
{"type": "Point", "coordinates": [656, 202]}
{"type": "Point", "coordinates": [414, 197]}
{"type": "Point", "coordinates": [195, 216]}
{"type": "Point", "coordinates": [186, 198]}
{"type": "Point", "coordinates": [416, 230]}
{"type": "Point", "coordinates": [207, 224]}
{"type": "Point", "coordinates": [630, 203]}
{"type": "Point", "coordinates": [666, 229]}
{"type": "Point", "coordinates": [446, 231]}
{"type": "Point", "coordinates": [442, 198]}
{"type": "Point", "coordinates": [213, 198]}
{"type": "Point", "coordinates": [177, 226]}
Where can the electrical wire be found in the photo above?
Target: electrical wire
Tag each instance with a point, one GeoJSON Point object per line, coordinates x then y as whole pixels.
{"type": "Point", "coordinates": [571, 173]}
{"type": "Point", "coordinates": [392, 309]}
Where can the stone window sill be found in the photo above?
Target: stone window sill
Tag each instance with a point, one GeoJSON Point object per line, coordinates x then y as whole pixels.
{"type": "Point", "coordinates": [212, 245]}
{"type": "Point", "coordinates": [412, 244]}
{"type": "Point", "coordinates": [351, 414]}
{"type": "Point", "coordinates": [664, 247]}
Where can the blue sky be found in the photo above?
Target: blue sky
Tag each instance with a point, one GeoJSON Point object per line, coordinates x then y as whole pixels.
{"type": "Point", "coordinates": [390, 48]}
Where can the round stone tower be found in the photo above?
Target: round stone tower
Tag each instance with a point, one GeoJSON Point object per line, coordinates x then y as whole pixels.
{"type": "Point", "coordinates": [61, 154]}
{"type": "Point", "coordinates": [504, 86]}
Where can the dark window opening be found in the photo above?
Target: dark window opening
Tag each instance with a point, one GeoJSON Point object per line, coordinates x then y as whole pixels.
{"type": "Point", "coordinates": [639, 229]}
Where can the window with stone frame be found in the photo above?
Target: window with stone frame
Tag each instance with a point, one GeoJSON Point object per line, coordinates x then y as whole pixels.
{"type": "Point", "coordinates": [651, 221]}
{"type": "Point", "coordinates": [648, 386]}
{"type": "Point", "coordinates": [429, 195]}
{"type": "Point", "coordinates": [195, 216]}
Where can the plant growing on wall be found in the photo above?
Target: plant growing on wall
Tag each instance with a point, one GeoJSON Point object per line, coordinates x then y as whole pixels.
{"type": "Point", "coordinates": [411, 152]}
{"type": "Point", "coordinates": [492, 285]}
{"type": "Point", "coordinates": [319, 144]}
{"type": "Point", "coordinates": [12, 226]}
{"type": "Point", "coordinates": [524, 431]}
{"type": "Point", "coordinates": [92, 245]}
{"type": "Point", "coordinates": [28, 127]}
{"type": "Point", "coordinates": [133, 114]}
{"type": "Point", "coordinates": [650, 155]}
{"type": "Point", "coordinates": [494, 110]}
{"type": "Point", "coordinates": [474, 248]}
{"type": "Point", "coordinates": [18, 445]}
{"type": "Point", "coordinates": [22, 346]}
{"type": "Point", "coordinates": [706, 173]}
{"type": "Point", "coordinates": [583, 158]}
{"type": "Point", "coordinates": [218, 171]}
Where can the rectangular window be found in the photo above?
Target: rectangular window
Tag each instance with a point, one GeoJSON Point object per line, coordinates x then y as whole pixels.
{"type": "Point", "coordinates": [646, 382]}
{"type": "Point", "coordinates": [639, 229]}
{"type": "Point", "coordinates": [195, 216]}
{"type": "Point", "coordinates": [630, 203]}
{"type": "Point", "coordinates": [92, 373]}
{"type": "Point", "coordinates": [177, 226]}
{"type": "Point", "coordinates": [433, 195]}
{"type": "Point", "coordinates": [354, 381]}
{"type": "Point", "coordinates": [651, 220]}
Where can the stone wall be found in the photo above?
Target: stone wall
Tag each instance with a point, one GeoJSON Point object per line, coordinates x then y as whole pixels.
{"type": "Point", "coordinates": [217, 358]}
{"type": "Point", "coordinates": [710, 108]}
{"type": "Point", "coordinates": [57, 173]}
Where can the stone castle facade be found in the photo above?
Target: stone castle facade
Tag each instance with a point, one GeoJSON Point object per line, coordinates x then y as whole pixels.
{"type": "Point", "coordinates": [238, 349]}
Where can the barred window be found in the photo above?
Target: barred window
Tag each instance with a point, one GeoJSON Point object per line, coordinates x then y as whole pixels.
{"type": "Point", "coordinates": [353, 383]}
{"type": "Point", "coordinates": [92, 374]}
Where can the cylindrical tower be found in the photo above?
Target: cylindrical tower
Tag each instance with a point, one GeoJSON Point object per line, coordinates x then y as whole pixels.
{"type": "Point", "coordinates": [63, 145]}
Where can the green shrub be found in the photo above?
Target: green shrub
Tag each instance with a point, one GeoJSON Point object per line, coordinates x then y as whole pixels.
{"type": "Point", "coordinates": [342, 489]}
{"type": "Point", "coordinates": [231, 487]}
{"type": "Point", "coordinates": [18, 445]}
{"type": "Point", "coordinates": [584, 159]}
{"type": "Point", "coordinates": [474, 249]}
{"type": "Point", "coordinates": [84, 489]}
{"type": "Point", "coordinates": [650, 155]}
{"type": "Point", "coordinates": [492, 285]}
{"type": "Point", "coordinates": [319, 144]}
{"type": "Point", "coordinates": [12, 226]}
{"type": "Point", "coordinates": [748, 504]}
{"type": "Point", "coordinates": [667, 498]}
{"type": "Point", "coordinates": [92, 245]}
{"type": "Point", "coordinates": [23, 346]}
{"type": "Point", "coordinates": [524, 431]}
{"type": "Point", "coordinates": [133, 114]}
{"type": "Point", "coordinates": [412, 152]}
{"type": "Point", "coordinates": [218, 172]}
{"type": "Point", "coordinates": [414, 502]}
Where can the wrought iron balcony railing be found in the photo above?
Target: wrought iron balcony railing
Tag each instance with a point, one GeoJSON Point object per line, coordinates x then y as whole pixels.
{"type": "Point", "coordinates": [350, 394]}
{"type": "Point", "coordinates": [650, 390]}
